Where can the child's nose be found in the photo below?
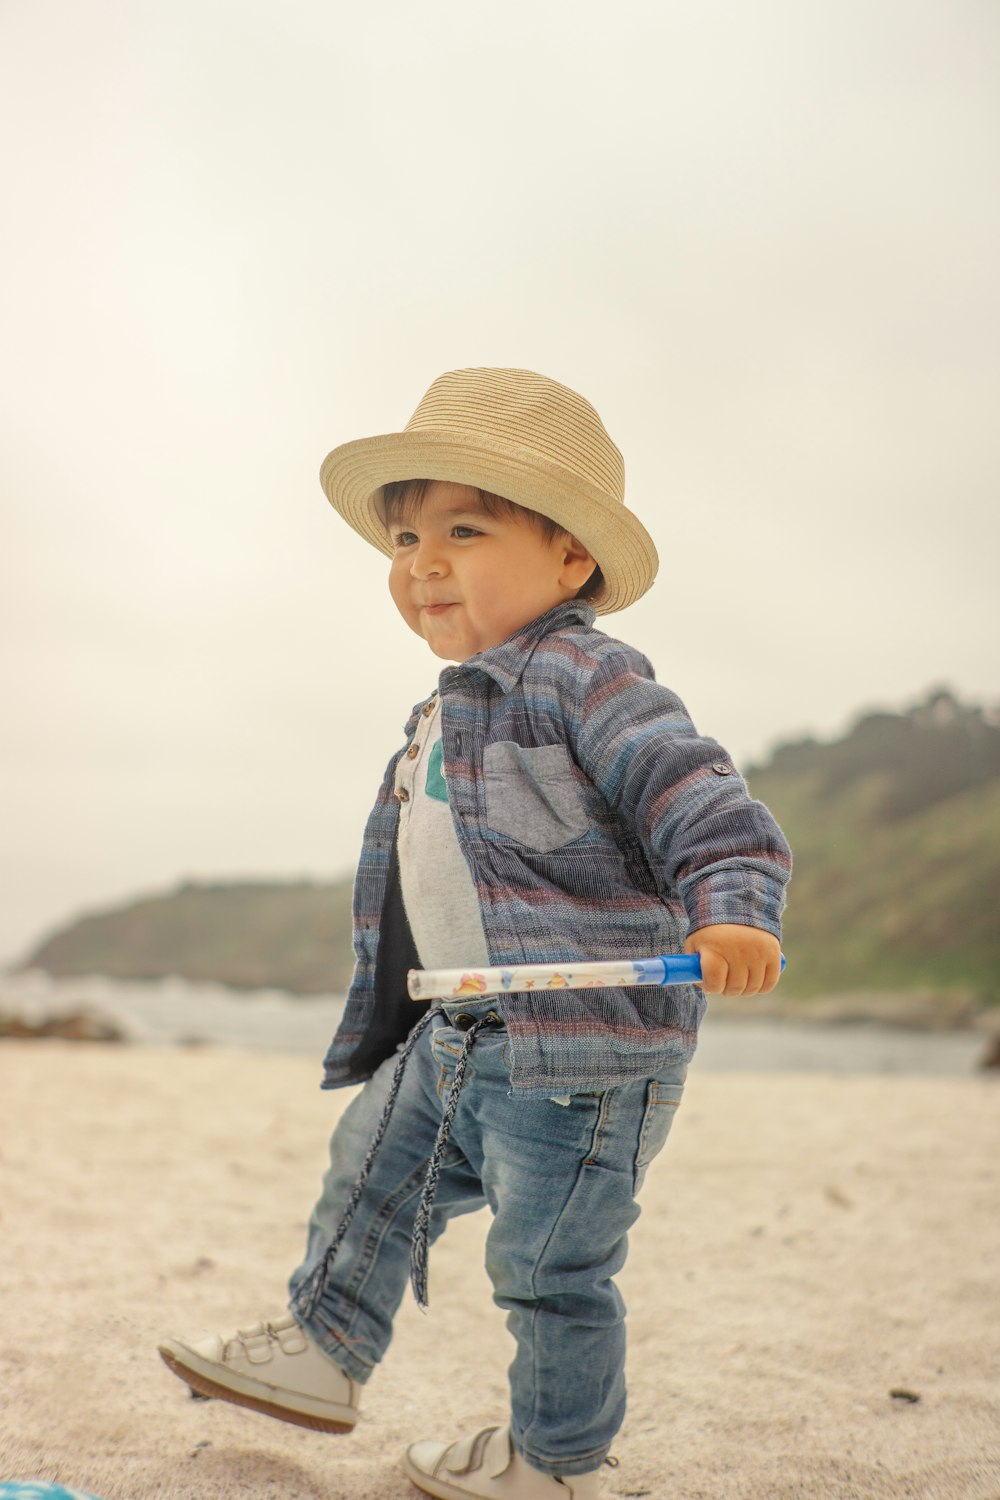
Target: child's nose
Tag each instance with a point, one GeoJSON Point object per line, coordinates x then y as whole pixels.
{"type": "Point", "coordinates": [427, 561]}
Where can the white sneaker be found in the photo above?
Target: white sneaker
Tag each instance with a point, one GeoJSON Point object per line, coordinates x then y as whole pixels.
{"type": "Point", "coordinates": [274, 1368]}
{"type": "Point", "coordinates": [487, 1466]}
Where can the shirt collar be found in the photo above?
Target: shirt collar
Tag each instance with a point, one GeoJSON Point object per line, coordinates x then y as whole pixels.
{"type": "Point", "coordinates": [506, 663]}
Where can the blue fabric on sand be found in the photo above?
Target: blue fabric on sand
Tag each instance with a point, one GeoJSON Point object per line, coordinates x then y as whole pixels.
{"type": "Point", "coordinates": [39, 1489]}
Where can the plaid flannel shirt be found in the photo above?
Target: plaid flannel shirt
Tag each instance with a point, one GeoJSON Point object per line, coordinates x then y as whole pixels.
{"type": "Point", "coordinates": [597, 824]}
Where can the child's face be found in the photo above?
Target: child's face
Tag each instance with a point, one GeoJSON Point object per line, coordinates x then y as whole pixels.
{"type": "Point", "coordinates": [466, 581]}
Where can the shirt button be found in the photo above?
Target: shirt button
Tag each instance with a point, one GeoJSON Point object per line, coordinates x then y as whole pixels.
{"type": "Point", "coordinates": [413, 752]}
{"type": "Point", "coordinates": [428, 708]}
{"type": "Point", "coordinates": [721, 768]}
{"type": "Point", "coordinates": [402, 794]}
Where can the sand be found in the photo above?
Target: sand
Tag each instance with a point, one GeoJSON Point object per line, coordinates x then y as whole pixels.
{"type": "Point", "coordinates": [809, 1243]}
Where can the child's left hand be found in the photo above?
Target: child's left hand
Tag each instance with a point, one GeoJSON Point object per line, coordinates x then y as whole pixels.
{"type": "Point", "coordinates": [736, 960]}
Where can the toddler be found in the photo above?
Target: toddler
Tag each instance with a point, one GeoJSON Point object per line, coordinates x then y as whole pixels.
{"type": "Point", "coordinates": [552, 802]}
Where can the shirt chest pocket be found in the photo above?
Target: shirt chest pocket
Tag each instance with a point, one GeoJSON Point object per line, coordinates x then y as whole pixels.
{"type": "Point", "coordinates": [531, 795]}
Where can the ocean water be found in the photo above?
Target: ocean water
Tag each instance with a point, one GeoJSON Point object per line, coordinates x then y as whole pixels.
{"type": "Point", "coordinates": [175, 1012]}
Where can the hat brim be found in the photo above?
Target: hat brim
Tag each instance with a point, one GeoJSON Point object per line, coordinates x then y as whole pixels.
{"type": "Point", "coordinates": [353, 475]}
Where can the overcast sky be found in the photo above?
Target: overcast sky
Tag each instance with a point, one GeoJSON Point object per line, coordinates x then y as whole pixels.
{"type": "Point", "coordinates": [762, 238]}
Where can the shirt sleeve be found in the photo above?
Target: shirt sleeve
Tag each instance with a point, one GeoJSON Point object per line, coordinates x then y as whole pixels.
{"type": "Point", "coordinates": [705, 838]}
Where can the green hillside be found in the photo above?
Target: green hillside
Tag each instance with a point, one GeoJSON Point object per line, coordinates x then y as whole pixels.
{"type": "Point", "coordinates": [895, 830]}
{"type": "Point", "coordinates": [251, 935]}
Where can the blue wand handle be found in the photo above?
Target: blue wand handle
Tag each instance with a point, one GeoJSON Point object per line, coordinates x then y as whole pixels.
{"type": "Point", "coordinates": [674, 968]}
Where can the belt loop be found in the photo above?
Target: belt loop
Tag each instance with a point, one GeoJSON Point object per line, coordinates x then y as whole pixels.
{"type": "Point", "coordinates": [465, 1020]}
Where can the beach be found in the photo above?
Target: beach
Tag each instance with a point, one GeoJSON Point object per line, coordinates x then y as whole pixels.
{"type": "Point", "coordinates": [810, 1243]}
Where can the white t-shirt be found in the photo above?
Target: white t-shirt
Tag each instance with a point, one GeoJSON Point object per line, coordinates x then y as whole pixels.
{"type": "Point", "coordinates": [438, 893]}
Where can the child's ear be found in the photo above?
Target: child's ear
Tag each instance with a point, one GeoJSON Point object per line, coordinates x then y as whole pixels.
{"type": "Point", "coordinates": [578, 564]}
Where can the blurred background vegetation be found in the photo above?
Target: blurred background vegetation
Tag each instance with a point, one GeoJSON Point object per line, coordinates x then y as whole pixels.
{"type": "Point", "coordinates": [895, 830]}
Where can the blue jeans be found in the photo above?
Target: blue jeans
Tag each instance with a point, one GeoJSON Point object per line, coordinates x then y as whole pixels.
{"type": "Point", "coordinates": [560, 1181]}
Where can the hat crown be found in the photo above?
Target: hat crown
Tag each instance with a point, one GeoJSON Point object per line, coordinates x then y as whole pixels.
{"type": "Point", "coordinates": [525, 413]}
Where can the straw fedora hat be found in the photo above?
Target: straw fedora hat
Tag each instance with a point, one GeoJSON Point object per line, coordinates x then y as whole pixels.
{"type": "Point", "coordinates": [516, 434]}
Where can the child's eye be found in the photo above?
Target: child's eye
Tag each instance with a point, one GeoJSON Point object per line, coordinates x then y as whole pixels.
{"type": "Point", "coordinates": [465, 531]}
{"type": "Point", "coordinates": [404, 539]}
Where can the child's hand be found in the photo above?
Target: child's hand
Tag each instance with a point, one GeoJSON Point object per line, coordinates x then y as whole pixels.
{"type": "Point", "coordinates": [736, 960]}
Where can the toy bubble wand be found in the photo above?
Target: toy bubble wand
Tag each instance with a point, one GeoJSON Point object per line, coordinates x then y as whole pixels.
{"type": "Point", "coordinates": [465, 984]}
